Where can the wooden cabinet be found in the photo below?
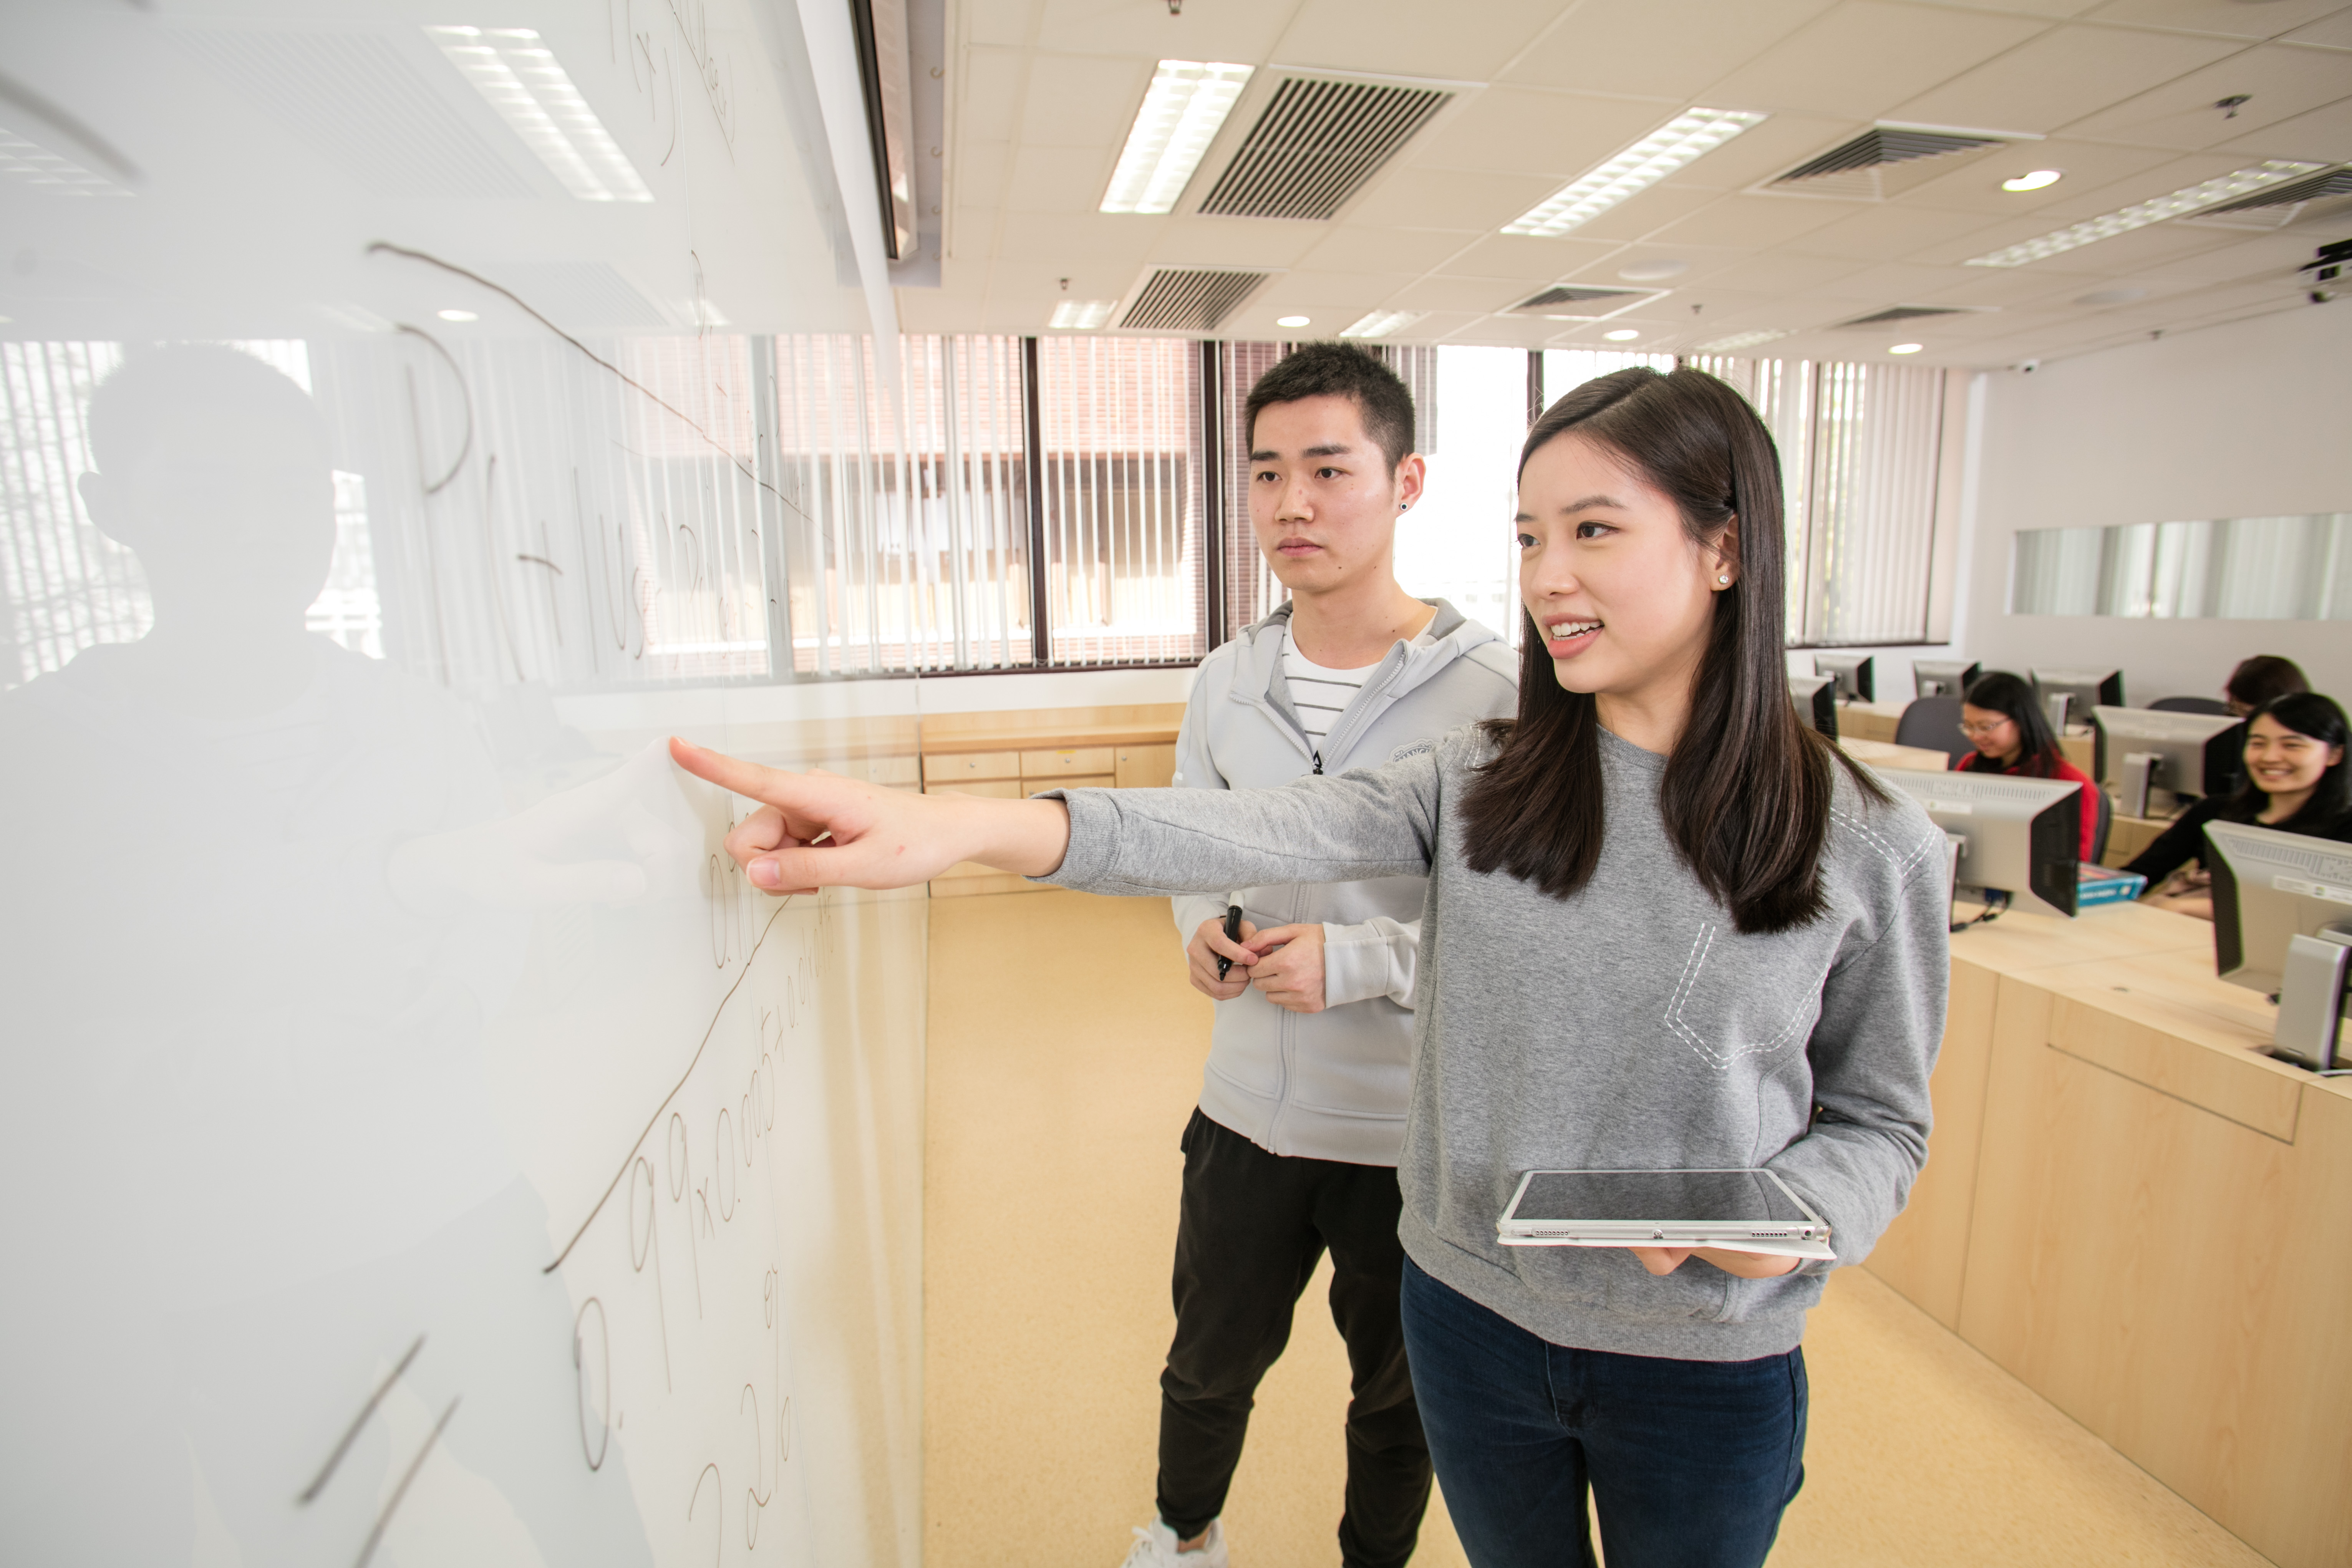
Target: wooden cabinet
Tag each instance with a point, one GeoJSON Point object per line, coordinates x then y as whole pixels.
{"type": "Point", "coordinates": [1075, 761]}
{"type": "Point", "coordinates": [959, 767]}
{"type": "Point", "coordinates": [1145, 767]}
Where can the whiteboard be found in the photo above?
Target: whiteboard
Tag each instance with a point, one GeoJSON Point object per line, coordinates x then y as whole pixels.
{"type": "Point", "coordinates": [426, 1149]}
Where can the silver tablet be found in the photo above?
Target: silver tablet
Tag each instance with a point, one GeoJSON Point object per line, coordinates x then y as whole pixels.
{"type": "Point", "coordinates": [1745, 1211]}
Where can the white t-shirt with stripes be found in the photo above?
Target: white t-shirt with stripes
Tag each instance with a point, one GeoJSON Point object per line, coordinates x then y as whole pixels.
{"type": "Point", "coordinates": [1321, 694]}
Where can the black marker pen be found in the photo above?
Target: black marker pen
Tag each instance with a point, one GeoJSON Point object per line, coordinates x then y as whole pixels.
{"type": "Point", "coordinates": [1232, 933]}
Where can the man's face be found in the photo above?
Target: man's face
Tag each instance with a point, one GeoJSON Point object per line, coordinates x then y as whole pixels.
{"type": "Point", "coordinates": [1323, 498]}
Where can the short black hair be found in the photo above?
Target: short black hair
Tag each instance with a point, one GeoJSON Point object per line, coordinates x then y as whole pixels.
{"type": "Point", "coordinates": [1341, 370]}
{"type": "Point", "coordinates": [2266, 678]}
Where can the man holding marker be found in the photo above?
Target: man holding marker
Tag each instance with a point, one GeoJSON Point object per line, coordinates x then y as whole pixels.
{"type": "Point", "coordinates": [1295, 1145]}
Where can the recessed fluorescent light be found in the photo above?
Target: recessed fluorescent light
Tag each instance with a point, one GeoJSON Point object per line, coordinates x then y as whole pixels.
{"type": "Point", "coordinates": [2038, 180]}
{"type": "Point", "coordinates": [29, 165]}
{"type": "Point", "coordinates": [1380, 323]}
{"type": "Point", "coordinates": [2186, 200]}
{"type": "Point", "coordinates": [1083, 315]}
{"type": "Point", "coordinates": [1637, 168]}
{"type": "Point", "coordinates": [457, 315]}
{"type": "Point", "coordinates": [519, 76]}
{"type": "Point", "coordinates": [1188, 101]}
{"type": "Point", "coordinates": [1622, 335]}
{"type": "Point", "coordinates": [1290, 321]}
{"type": "Point", "coordinates": [1905, 348]}
{"type": "Point", "coordinates": [1742, 341]}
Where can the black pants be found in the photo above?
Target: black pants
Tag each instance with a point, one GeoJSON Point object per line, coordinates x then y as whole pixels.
{"type": "Point", "coordinates": [1253, 1228]}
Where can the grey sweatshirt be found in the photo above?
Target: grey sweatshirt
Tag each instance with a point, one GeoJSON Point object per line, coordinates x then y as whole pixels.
{"type": "Point", "coordinates": [1329, 1085]}
{"type": "Point", "coordinates": [1627, 1026]}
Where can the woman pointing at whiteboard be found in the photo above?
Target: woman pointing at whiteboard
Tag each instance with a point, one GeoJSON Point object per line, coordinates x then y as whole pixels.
{"type": "Point", "coordinates": [1667, 928]}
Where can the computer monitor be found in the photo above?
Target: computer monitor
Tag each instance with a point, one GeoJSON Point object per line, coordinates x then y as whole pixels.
{"type": "Point", "coordinates": [2283, 924]}
{"type": "Point", "coordinates": [1852, 672]}
{"type": "Point", "coordinates": [2145, 749]}
{"type": "Point", "coordinates": [2083, 690]}
{"type": "Point", "coordinates": [2268, 888]}
{"type": "Point", "coordinates": [1816, 700]}
{"type": "Point", "coordinates": [1943, 676]}
{"type": "Point", "coordinates": [2018, 836]}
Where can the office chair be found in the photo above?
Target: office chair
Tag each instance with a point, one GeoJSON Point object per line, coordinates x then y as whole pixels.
{"type": "Point", "coordinates": [1932, 724]}
{"type": "Point", "coordinates": [2188, 705]}
{"type": "Point", "coordinates": [2106, 820]}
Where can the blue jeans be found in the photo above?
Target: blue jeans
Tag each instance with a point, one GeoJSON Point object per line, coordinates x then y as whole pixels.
{"type": "Point", "coordinates": [1690, 1463]}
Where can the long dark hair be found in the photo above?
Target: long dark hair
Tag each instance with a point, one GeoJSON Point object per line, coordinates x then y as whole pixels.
{"type": "Point", "coordinates": [2306, 713]}
{"type": "Point", "coordinates": [1746, 796]}
{"type": "Point", "coordinates": [2012, 696]}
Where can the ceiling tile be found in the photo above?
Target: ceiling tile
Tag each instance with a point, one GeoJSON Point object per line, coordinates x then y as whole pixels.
{"type": "Point", "coordinates": [976, 175]}
{"type": "Point", "coordinates": [1483, 295]}
{"type": "Point", "coordinates": [1889, 231]}
{"type": "Point", "coordinates": [1517, 129]}
{"type": "Point", "coordinates": [2273, 256]}
{"type": "Point", "coordinates": [2018, 286]}
{"type": "Point", "coordinates": [1659, 48]}
{"type": "Point", "coordinates": [1865, 56]}
{"type": "Point", "coordinates": [1525, 256]}
{"type": "Point", "coordinates": [1975, 186]}
{"type": "Point", "coordinates": [2324, 135]}
{"type": "Point", "coordinates": [1348, 248]}
{"type": "Point", "coordinates": [1240, 30]}
{"type": "Point", "coordinates": [1330, 300]}
{"type": "Point", "coordinates": [1450, 198]}
{"type": "Point", "coordinates": [2284, 80]}
{"type": "Point", "coordinates": [1901, 283]}
{"type": "Point", "coordinates": [1004, 22]}
{"type": "Point", "coordinates": [1236, 242]}
{"type": "Point", "coordinates": [1068, 240]}
{"type": "Point", "coordinates": [1704, 263]}
{"type": "Point", "coordinates": [987, 96]}
{"type": "Point", "coordinates": [1081, 102]}
{"type": "Point", "coordinates": [1753, 221]}
{"type": "Point", "coordinates": [1422, 40]}
{"type": "Point", "coordinates": [1785, 273]}
{"type": "Point", "coordinates": [1059, 180]}
{"type": "Point", "coordinates": [2238, 18]}
{"type": "Point", "coordinates": [2061, 75]}
{"type": "Point", "coordinates": [2336, 30]}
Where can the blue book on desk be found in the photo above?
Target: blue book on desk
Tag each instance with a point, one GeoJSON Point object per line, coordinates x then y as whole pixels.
{"type": "Point", "coordinates": [2103, 885]}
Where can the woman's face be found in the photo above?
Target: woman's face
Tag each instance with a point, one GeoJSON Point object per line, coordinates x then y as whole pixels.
{"type": "Point", "coordinates": [2286, 761]}
{"type": "Point", "coordinates": [1623, 598]}
{"type": "Point", "coordinates": [1991, 732]}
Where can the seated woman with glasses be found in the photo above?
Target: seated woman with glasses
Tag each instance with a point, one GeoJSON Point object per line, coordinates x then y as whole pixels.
{"type": "Point", "coordinates": [2295, 781]}
{"type": "Point", "coordinates": [2001, 719]}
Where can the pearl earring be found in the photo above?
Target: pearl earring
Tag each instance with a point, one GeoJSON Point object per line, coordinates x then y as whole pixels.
{"type": "Point", "coordinates": [1724, 578]}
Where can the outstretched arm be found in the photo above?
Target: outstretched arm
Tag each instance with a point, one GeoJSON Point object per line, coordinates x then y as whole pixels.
{"type": "Point", "coordinates": [819, 831]}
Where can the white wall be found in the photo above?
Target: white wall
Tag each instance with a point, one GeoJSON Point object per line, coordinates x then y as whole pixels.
{"type": "Point", "coordinates": [2245, 420]}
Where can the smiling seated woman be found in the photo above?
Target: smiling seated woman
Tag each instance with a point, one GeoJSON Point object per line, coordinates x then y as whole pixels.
{"type": "Point", "coordinates": [2296, 780]}
{"type": "Point", "coordinates": [2003, 721]}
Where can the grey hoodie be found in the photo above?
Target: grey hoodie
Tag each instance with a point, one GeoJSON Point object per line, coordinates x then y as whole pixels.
{"type": "Point", "coordinates": [1328, 1085]}
{"type": "Point", "coordinates": [1628, 1027]}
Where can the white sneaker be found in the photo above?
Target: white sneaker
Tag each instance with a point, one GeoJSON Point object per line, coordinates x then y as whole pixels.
{"type": "Point", "coordinates": [1155, 1547]}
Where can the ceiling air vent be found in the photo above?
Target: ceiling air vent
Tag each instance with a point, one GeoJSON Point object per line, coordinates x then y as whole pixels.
{"type": "Point", "coordinates": [1316, 143]}
{"type": "Point", "coordinates": [2277, 206]}
{"type": "Point", "coordinates": [1566, 302]}
{"type": "Point", "coordinates": [1188, 299]}
{"type": "Point", "coordinates": [1905, 313]}
{"type": "Point", "coordinates": [1857, 170]}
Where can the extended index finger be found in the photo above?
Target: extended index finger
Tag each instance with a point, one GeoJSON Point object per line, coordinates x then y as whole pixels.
{"type": "Point", "coordinates": [748, 779]}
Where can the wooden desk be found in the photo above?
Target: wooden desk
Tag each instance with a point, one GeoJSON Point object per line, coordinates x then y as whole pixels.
{"type": "Point", "coordinates": [2143, 1217]}
{"type": "Point", "coordinates": [1869, 720]}
{"type": "Point", "coordinates": [1887, 754]}
{"type": "Point", "coordinates": [2130, 835]}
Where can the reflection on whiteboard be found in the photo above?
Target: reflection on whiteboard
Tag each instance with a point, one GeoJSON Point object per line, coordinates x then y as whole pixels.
{"type": "Point", "coordinates": [427, 1149]}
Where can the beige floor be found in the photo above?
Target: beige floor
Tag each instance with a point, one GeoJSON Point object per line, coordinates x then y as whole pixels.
{"type": "Point", "coordinates": [1066, 1052]}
